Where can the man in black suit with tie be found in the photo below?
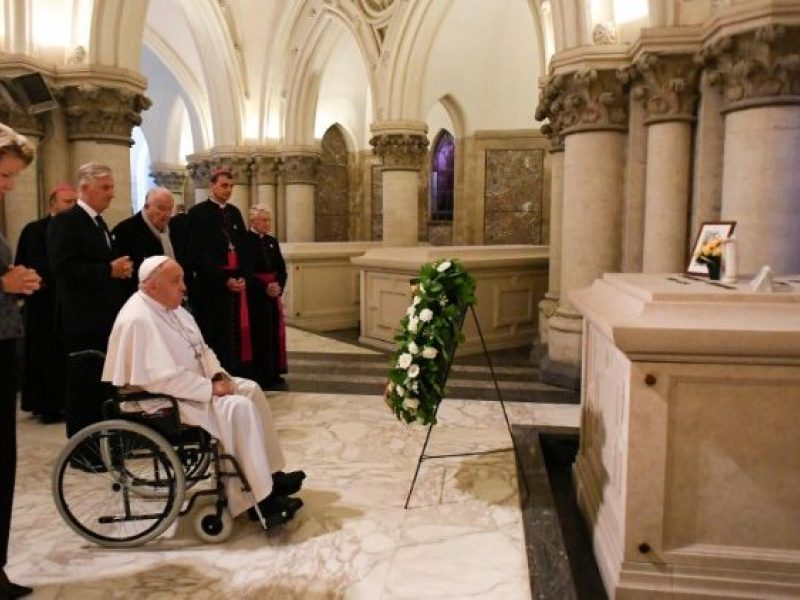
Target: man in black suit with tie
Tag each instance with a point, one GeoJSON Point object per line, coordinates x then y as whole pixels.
{"type": "Point", "coordinates": [89, 279]}
{"type": "Point", "coordinates": [149, 233]}
{"type": "Point", "coordinates": [216, 256]}
{"type": "Point", "coordinates": [43, 384]}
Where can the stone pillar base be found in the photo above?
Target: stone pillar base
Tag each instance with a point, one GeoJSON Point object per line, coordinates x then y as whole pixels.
{"type": "Point", "coordinates": [562, 365]}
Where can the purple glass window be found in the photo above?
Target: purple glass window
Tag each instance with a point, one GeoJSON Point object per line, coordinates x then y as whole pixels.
{"type": "Point", "coordinates": [442, 177]}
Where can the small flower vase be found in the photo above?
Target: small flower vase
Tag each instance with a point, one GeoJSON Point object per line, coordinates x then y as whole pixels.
{"type": "Point", "coordinates": [713, 263]}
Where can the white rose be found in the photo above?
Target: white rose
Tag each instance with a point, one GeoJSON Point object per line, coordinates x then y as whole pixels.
{"type": "Point", "coordinates": [444, 266]}
{"type": "Point", "coordinates": [413, 348]}
{"type": "Point", "coordinates": [411, 404]}
{"type": "Point", "coordinates": [416, 300]}
{"type": "Point", "coordinates": [426, 314]}
{"type": "Point", "coordinates": [400, 390]}
{"type": "Point", "coordinates": [405, 360]}
{"type": "Point", "coordinates": [410, 311]}
{"type": "Point", "coordinates": [429, 352]}
{"type": "Point", "coordinates": [414, 386]}
{"type": "Point", "coordinates": [413, 371]}
{"type": "Point", "coordinates": [413, 323]}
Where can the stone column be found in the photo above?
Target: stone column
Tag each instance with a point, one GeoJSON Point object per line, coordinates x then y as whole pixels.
{"type": "Point", "coordinates": [265, 184]}
{"type": "Point", "coordinates": [591, 105]}
{"type": "Point", "coordinates": [172, 177]}
{"type": "Point", "coordinates": [708, 159]}
{"type": "Point", "coordinates": [548, 306]}
{"type": "Point", "coordinates": [239, 167]}
{"type": "Point", "coordinates": [402, 146]}
{"type": "Point", "coordinates": [300, 169]}
{"type": "Point", "coordinates": [24, 203]}
{"type": "Point", "coordinates": [100, 119]}
{"type": "Point", "coordinates": [669, 94]}
{"type": "Point", "coordinates": [199, 167]}
{"type": "Point", "coordinates": [759, 72]}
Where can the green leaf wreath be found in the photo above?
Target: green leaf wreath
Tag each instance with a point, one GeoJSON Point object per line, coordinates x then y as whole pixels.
{"type": "Point", "coordinates": [427, 338]}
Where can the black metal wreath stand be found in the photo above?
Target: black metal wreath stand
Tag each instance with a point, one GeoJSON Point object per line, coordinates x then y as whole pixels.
{"type": "Point", "coordinates": [424, 456]}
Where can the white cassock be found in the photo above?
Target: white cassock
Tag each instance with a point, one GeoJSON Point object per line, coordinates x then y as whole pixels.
{"type": "Point", "coordinates": [163, 352]}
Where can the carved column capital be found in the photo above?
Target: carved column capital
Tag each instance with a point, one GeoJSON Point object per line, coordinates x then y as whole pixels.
{"type": "Point", "coordinates": [668, 85]}
{"type": "Point", "coordinates": [265, 169]}
{"type": "Point", "coordinates": [760, 67]}
{"type": "Point", "coordinates": [172, 179]}
{"type": "Point", "coordinates": [95, 112]}
{"type": "Point", "coordinates": [21, 122]}
{"type": "Point", "coordinates": [400, 151]}
{"type": "Point", "coordinates": [199, 169]}
{"type": "Point", "coordinates": [585, 100]}
{"type": "Point", "coordinates": [239, 166]}
{"type": "Point", "coordinates": [300, 168]}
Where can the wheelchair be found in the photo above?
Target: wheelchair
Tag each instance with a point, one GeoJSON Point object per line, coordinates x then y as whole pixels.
{"type": "Point", "coordinates": [124, 481]}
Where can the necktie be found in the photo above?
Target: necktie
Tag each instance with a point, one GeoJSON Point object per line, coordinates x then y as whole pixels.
{"type": "Point", "coordinates": [104, 228]}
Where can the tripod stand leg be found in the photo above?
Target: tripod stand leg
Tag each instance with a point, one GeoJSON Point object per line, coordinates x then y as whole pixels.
{"type": "Point", "coordinates": [499, 397]}
{"type": "Point", "coordinates": [419, 462]}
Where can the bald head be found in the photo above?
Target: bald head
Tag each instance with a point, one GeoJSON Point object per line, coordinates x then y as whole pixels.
{"type": "Point", "coordinates": [158, 206]}
{"type": "Point", "coordinates": [165, 284]}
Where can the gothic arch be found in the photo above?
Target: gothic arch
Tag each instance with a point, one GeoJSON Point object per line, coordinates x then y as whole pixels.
{"type": "Point", "coordinates": [191, 91]}
{"type": "Point", "coordinates": [311, 56]}
{"type": "Point", "coordinates": [116, 33]}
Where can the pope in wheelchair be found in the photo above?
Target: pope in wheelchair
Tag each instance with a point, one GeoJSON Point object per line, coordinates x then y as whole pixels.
{"type": "Point", "coordinates": [156, 347]}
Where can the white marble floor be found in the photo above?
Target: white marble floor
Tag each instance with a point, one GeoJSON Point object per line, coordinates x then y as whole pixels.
{"type": "Point", "coordinates": [461, 538]}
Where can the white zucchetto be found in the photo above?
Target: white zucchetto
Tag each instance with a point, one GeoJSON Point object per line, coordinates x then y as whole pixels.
{"type": "Point", "coordinates": [149, 265]}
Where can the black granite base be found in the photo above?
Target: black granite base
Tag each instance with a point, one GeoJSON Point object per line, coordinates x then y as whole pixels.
{"type": "Point", "coordinates": [559, 548]}
{"type": "Point", "coordinates": [560, 374]}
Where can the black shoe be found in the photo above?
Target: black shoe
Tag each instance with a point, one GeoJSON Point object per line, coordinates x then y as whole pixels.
{"type": "Point", "coordinates": [14, 590]}
{"type": "Point", "coordinates": [286, 484]}
{"type": "Point", "coordinates": [276, 510]}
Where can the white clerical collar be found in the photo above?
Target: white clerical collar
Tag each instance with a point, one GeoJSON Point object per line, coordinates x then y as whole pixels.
{"type": "Point", "coordinates": [217, 202]}
{"type": "Point", "coordinates": [91, 212]}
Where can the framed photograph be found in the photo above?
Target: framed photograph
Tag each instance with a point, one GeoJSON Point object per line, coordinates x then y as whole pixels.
{"type": "Point", "coordinates": [708, 231]}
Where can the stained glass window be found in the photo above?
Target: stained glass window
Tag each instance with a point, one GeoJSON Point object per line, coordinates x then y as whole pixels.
{"type": "Point", "coordinates": [442, 177]}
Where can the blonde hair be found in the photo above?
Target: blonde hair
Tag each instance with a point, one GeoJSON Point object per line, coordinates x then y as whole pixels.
{"type": "Point", "coordinates": [260, 209]}
{"type": "Point", "coordinates": [14, 144]}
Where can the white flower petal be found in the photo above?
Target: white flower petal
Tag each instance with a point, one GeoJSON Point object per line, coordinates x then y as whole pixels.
{"type": "Point", "coordinates": [426, 314]}
{"type": "Point", "coordinates": [444, 266]}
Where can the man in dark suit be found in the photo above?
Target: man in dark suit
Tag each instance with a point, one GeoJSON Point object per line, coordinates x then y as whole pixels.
{"type": "Point", "coordinates": [43, 383]}
{"type": "Point", "coordinates": [216, 256]}
{"type": "Point", "coordinates": [89, 279]}
{"type": "Point", "coordinates": [149, 233]}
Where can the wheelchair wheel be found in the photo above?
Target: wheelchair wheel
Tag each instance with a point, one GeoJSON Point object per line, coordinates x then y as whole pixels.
{"type": "Point", "coordinates": [99, 476]}
{"type": "Point", "coordinates": [194, 454]}
{"type": "Point", "coordinates": [212, 527]}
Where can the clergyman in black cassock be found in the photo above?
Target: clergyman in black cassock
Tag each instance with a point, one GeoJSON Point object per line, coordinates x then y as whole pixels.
{"type": "Point", "coordinates": [264, 293]}
{"type": "Point", "coordinates": [216, 256]}
{"type": "Point", "coordinates": [44, 363]}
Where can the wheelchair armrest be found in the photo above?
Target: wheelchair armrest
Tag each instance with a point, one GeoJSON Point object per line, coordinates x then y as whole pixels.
{"type": "Point", "coordinates": [165, 420]}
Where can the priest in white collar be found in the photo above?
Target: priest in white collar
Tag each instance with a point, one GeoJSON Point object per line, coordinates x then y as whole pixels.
{"type": "Point", "coordinates": [156, 345]}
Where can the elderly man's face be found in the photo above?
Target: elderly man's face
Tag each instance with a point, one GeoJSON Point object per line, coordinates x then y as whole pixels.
{"type": "Point", "coordinates": [166, 286]}
{"type": "Point", "coordinates": [158, 209]}
{"type": "Point", "coordinates": [64, 200]}
{"type": "Point", "coordinates": [261, 223]}
{"type": "Point", "coordinates": [222, 188]}
{"type": "Point", "coordinates": [98, 193]}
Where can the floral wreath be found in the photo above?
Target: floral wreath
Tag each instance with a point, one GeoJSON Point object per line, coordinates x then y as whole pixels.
{"type": "Point", "coordinates": [426, 340]}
